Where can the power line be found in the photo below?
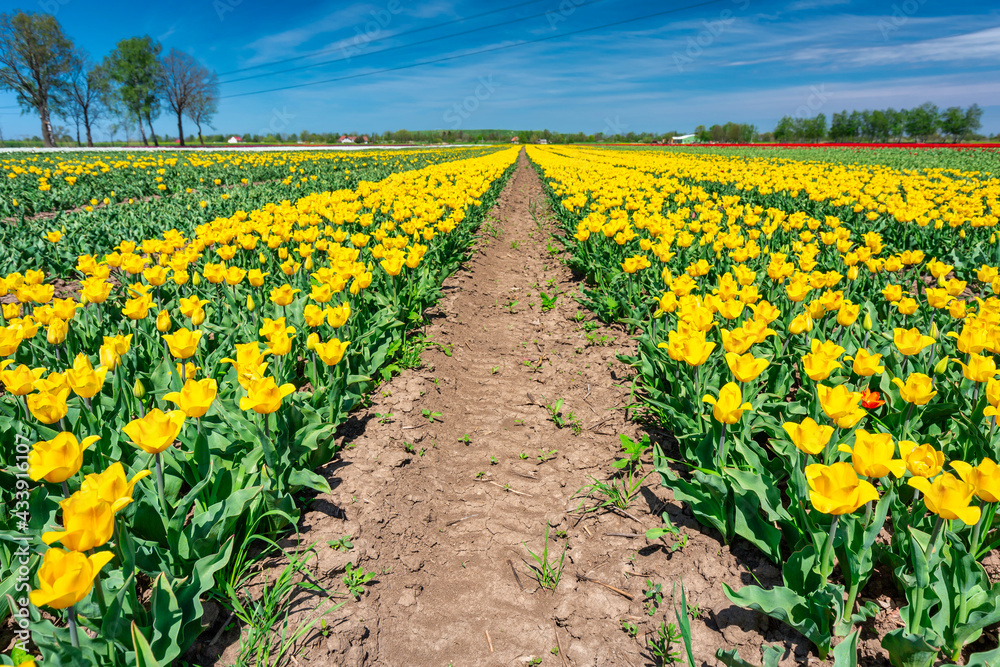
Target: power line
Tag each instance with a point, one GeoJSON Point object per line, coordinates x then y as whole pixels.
{"type": "Point", "coordinates": [398, 34]}
{"type": "Point", "coordinates": [406, 46]}
{"type": "Point", "coordinates": [480, 51]}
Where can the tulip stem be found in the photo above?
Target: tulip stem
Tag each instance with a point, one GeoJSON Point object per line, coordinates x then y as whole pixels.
{"type": "Point", "coordinates": [930, 543]}
{"type": "Point", "coordinates": [722, 442]}
{"type": "Point", "coordinates": [73, 636]}
{"type": "Point", "coordinates": [976, 534]}
{"type": "Point", "coordinates": [159, 482]}
{"type": "Point", "coordinates": [827, 562]}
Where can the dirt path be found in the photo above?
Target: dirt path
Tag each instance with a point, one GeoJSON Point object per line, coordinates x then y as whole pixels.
{"type": "Point", "coordinates": [445, 522]}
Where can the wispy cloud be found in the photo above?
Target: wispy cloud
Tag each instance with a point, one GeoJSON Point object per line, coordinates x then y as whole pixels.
{"type": "Point", "coordinates": [806, 5]}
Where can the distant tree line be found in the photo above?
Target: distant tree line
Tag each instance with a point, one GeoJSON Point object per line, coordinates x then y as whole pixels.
{"type": "Point", "coordinates": [127, 90]}
{"type": "Point", "coordinates": [922, 123]}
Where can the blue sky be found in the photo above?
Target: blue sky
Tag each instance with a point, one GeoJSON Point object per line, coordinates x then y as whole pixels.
{"type": "Point", "coordinates": [741, 60]}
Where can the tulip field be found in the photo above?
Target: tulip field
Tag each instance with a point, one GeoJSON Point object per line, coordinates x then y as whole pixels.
{"type": "Point", "coordinates": [821, 340]}
{"type": "Point", "coordinates": [175, 368]}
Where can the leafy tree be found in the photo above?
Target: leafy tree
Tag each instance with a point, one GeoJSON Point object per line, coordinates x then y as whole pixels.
{"type": "Point", "coordinates": [923, 121]}
{"type": "Point", "coordinates": [134, 67]}
{"type": "Point", "coordinates": [954, 123]}
{"type": "Point", "coordinates": [185, 84]}
{"type": "Point", "coordinates": [785, 129]}
{"type": "Point", "coordinates": [974, 118]}
{"type": "Point", "coordinates": [35, 57]}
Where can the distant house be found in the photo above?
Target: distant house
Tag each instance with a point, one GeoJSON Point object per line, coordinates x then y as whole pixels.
{"type": "Point", "coordinates": [364, 138]}
{"type": "Point", "coordinates": [235, 140]}
{"type": "Point", "coordinates": [683, 139]}
{"type": "Point", "coordinates": [344, 139]}
{"type": "Point", "coordinates": [543, 141]}
{"type": "Point", "coordinates": [515, 140]}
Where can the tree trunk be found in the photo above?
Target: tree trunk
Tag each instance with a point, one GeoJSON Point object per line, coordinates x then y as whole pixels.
{"type": "Point", "coordinates": [200, 138]}
{"type": "Point", "coordinates": [180, 129]}
{"type": "Point", "coordinates": [78, 144]}
{"type": "Point", "coordinates": [47, 140]}
{"type": "Point", "coordinates": [142, 131]}
{"type": "Point", "coordinates": [86, 124]}
{"type": "Point", "coordinates": [152, 133]}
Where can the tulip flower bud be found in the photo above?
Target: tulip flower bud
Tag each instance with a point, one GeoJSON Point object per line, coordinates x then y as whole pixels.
{"type": "Point", "coordinates": [867, 324]}
{"type": "Point", "coordinates": [251, 306]}
{"type": "Point", "coordinates": [852, 273]}
{"type": "Point", "coordinates": [262, 258]}
{"type": "Point", "coordinates": [934, 333]}
{"type": "Point", "coordinates": [941, 366]}
{"type": "Point", "coordinates": [961, 234]}
{"type": "Point", "coordinates": [163, 322]}
{"type": "Point", "coordinates": [993, 238]}
{"type": "Point", "coordinates": [139, 389]}
{"type": "Point", "coordinates": [196, 279]}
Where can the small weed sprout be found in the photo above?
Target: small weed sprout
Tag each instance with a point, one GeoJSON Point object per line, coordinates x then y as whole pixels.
{"type": "Point", "coordinates": [546, 572]}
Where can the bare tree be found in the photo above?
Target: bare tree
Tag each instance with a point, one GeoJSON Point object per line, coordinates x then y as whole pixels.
{"type": "Point", "coordinates": [204, 104]}
{"type": "Point", "coordinates": [186, 84]}
{"type": "Point", "coordinates": [86, 91]}
{"type": "Point", "coordinates": [35, 57]}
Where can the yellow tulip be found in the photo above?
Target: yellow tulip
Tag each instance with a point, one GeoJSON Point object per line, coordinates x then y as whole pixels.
{"type": "Point", "coordinates": [921, 460]}
{"type": "Point", "coordinates": [837, 489]}
{"type": "Point", "coordinates": [282, 296]}
{"type": "Point", "coordinates": [112, 486]}
{"type": "Point", "coordinates": [330, 353]}
{"type": "Point", "coordinates": [801, 323]}
{"type": "Point", "coordinates": [190, 306]}
{"type": "Point", "coordinates": [691, 349]}
{"type": "Point", "coordinates": [910, 341]}
{"type": "Point", "coordinates": [809, 436]}
{"type": "Point", "coordinates": [841, 405]}
{"type": "Point", "coordinates": [866, 364]}
{"type": "Point", "coordinates": [979, 368]}
{"type": "Point", "coordinates": [313, 315]}
{"type": "Point", "coordinates": [83, 379]}
{"type": "Point", "coordinates": [58, 459]}
{"type": "Point", "coordinates": [48, 407]}
{"type": "Point", "coordinates": [122, 344]}
{"type": "Point", "coordinates": [872, 455]}
{"type": "Point", "coordinates": [916, 389]}
{"type": "Point", "coordinates": [88, 522]}
{"type": "Point", "coordinates": [264, 396]}
{"type": "Point", "coordinates": [163, 321]}
{"type": "Point", "coordinates": [948, 497]}
{"type": "Point", "coordinates": [156, 431]}
{"type": "Point", "coordinates": [21, 380]}
{"type": "Point", "coordinates": [745, 368]}
{"type": "Point", "coordinates": [729, 406]}
{"type": "Point", "coordinates": [195, 398]}
{"type": "Point", "coordinates": [985, 478]}
{"type": "Point", "coordinates": [183, 343]}
{"type": "Point", "coordinates": [56, 332]}
{"type": "Point", "coordinates": [818, 365]}
{"type": "Point", "coordinates": [66, 577]}
{"type": "Point", "coordinates": [138, 308]}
